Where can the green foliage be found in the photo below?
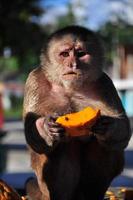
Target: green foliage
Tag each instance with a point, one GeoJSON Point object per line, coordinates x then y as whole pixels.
{"type": "Point", "coordinates": [120, 33]}
{"type": "Point", "coordinates": [114, 35]}
{"type": "Point", "coordinates": [67, 19]}
{"type": "Point", "coordinates": [126, 34]}
{"type": "Point", "coordinates": [15, 111]}
{"type": "Point", "coordinates": [20, 30]}
{"type": "Point", "coordinates": [10, 64]}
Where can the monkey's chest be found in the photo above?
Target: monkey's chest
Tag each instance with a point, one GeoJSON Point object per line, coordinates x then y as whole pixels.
{"type": "Point", "coordinates": [68, 104]}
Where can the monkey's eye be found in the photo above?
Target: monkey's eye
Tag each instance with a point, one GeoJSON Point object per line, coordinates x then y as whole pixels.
{"type": "Point", "coordinates": [80, 53]}
{"type": "Point", "coordinates": [64, 53]}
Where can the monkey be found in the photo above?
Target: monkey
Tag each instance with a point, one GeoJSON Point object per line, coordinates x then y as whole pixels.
{"type": "Point", "coordinates": [69, 78]}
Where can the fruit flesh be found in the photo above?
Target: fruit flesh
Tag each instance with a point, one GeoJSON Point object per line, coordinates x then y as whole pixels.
{"type": "Point", "coordinates": [75, 123]}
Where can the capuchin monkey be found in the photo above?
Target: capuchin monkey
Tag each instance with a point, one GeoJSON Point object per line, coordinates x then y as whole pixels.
{"type": "Point", "coordinates": [70, 77]}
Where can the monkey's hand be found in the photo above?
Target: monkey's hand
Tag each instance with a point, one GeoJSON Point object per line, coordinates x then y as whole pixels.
{"type": "Point", "coordinates": [49, 130]}
{"type": "Point", "coordinates": [103, 125]}
{"type": "Point", "coordinates": [112, 132]}
{"type": "Point", "coordinates": [105, 131]}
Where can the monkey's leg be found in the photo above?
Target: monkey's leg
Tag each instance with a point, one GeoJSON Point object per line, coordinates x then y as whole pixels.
{"type": "Point", "coordinates": [62, 172]}
{"type": "Point", "coordinates": [38, 162]}
{"type": "Point", "coordinates": [99, 167]}
{"type": "Point", "coordinates": [32, 189]}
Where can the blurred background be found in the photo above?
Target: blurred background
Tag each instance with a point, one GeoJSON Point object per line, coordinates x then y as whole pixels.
{"type": "Point", "coordinates": [24, 27]}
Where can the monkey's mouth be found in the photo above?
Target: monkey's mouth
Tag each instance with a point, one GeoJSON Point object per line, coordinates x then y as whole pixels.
{"type": "Point", "coordinates": [70, 73]}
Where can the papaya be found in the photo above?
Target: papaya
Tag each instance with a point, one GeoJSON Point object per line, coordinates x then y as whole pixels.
{"type": "Point", "coordinates": [75, 123]}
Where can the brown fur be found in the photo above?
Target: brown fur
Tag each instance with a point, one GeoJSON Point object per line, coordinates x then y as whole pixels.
{"type": "Point", "coordinates": [87, 164]}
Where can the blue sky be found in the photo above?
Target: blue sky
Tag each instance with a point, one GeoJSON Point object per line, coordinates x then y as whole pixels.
{"type": "Point", "coordinates": [48, 3]}
{"type": "Point", "coordinates": [96, 12]}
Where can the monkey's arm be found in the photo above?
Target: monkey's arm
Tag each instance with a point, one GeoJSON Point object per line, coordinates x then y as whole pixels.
{"type": "Point", "coordinates": [42, 133]}
{"type": "Point", "coordinates": [30, 108]}
{"type": "Point", "coordinates": [112, 130]}
{"type": "Point", "coordinates": [33, 138]}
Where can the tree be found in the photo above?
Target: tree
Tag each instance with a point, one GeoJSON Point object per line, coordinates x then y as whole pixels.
{"type": "Point", "coordinates": [67, 19]}
{"type": "Point", "coordinates": [20, 30]}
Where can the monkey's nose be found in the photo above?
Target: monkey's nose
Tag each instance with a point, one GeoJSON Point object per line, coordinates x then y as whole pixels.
{"type": "Point", "coordinates": [74, 65]}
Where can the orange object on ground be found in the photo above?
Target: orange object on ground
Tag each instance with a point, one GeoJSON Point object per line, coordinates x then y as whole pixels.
{"type": "Point", "coordinates": [75, 123]}
{"type": "Point", "coordinates": [1, 113]}
{"type": "Point", "coordinates": [8, 193]}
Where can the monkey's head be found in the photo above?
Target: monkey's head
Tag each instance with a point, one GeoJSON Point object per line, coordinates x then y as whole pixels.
{"type": "Point", "coordinates": [72, 56]}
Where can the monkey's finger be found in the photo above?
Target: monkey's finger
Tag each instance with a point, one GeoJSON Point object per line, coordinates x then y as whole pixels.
{"type": "Point", "coordinates": [99, 132]}
{"type": "Point", "coordinates": [58, 136]}
{"type": "Point", "coordinates": [40, 125]}
{"type": "Point", "coordinates": [106, 120]}
{"type": "Point", "coordinates": [53, 124]}
{"type": "Point", "coordinates": [99, 129]}
{"type": "Point", "coordinates": [49, 119]}
{"type": "Point", "coordinates": [57, 130]}
{"type": "Point", "coordinates": [54, 117]}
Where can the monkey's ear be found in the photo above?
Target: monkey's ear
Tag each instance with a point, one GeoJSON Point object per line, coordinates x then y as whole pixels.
{"type": "Point", "coordinates": [33, 138]}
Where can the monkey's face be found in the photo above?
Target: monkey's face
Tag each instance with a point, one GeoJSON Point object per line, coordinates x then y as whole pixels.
{"type": "Point", "coordinates": [71, 61]}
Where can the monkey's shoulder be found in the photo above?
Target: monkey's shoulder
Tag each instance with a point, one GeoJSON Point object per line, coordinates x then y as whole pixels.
{"type": "Point", "coordinates": [105, 87]}
{"type": "Point", "coordinates": [108, 94]}
{"type": "Point", "coordinates": [37, 80]}
{"type": "Point", "coordinates": [105, 81]}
